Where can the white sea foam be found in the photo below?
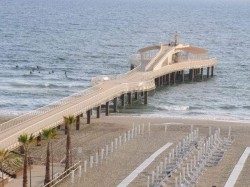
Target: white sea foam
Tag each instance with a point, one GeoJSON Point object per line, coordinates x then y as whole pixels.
{"type": "Point", "coordinates": [200, 117]}
{"type": "Point", "coordinates": [174, 108]}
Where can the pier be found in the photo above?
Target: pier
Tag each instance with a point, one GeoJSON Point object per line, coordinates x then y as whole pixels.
{"type": "Point", "coordinates": [153, 66]}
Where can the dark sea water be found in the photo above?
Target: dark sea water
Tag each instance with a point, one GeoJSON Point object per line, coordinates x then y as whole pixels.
{"type": "Point", "coordinates": [89, 38]}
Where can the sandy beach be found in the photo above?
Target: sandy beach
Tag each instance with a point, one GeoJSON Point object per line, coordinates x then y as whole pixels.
{"type": "Point", "coordinates": [90, 139]}
{"type": "Point", "coordinates": [4, 118]}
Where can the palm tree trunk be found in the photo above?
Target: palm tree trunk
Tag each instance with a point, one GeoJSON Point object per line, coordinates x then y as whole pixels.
{"type": "Point", "coordinates": [1, 165]}
{"type": "Point", "coordinates": [68, 147]}
{"type": "Point", "coordinates": [25, 180]}
{"type": "Point", "coordinates": [47, 168]}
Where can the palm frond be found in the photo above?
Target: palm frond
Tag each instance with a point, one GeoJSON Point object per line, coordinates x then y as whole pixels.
{"type": "Point", "coordinates": [4, 155]}
{"type": "Point", "coordinates": [68, 121]}
{"type": "Point", "coordinates": [49, 133]}
{"type": "Point", "coordinates": [26, 140]}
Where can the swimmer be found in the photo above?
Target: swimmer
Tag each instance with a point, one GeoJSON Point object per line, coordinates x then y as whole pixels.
{"type": "Point", "coordinates": [52, 71]}
{"type": "Point", "coordinates": [65, 74]}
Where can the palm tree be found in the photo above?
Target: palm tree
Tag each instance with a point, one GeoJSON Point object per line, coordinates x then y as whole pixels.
{"type": "Point", "coordinates": [4, 156]}
{"type": "Point", "coordinates": [68, 121]}
{"type": "Point", "coordinates": [25, 140]}
{"type": "Point", "coordinates": [49, 134]}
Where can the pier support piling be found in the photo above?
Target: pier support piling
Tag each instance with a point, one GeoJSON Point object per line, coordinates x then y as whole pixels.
{"type": "Point", "coordinates": [201, 73]}
{"type": "Point", "coordinates": [78, 122]}
{"type": "Point", "coordinates": [208, 69]}
{"type": "Point", "coordinates": [129, 98]}
{"type": "Point", "coordinates": [115, 104]}
{"type": "Point", "coordinates": [98, 111]}
{"type": "Point", "coordinates": [198, 71]}
{"type": "Point", "coordinates": [136, 95]}
{"type": "Point", "coordinates": [174, 78]}
{"type": "Point", "coordinates": [145, 97]}
{"type": "Point", "coordinates": [161, 80]}
{"type": "Point", "coordinates": [107, 108]}
{"type": "Point", "coordinates": [191, 74]}
{"type": "Point", "coordinates": [123, 100]}
{"type": "Point", "coordinates": [157, 81]}
{"type": "Point", "coordinates": [169, 79]}
{"type": "Point", "coordinates": [88, 116]}
{"type": "Point", "coordinates": [183, 76]}
{"type": "Point", "coordinates": [212, 71]}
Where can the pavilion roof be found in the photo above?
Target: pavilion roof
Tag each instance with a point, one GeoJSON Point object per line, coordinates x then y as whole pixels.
{"type": "Point", "coordinates": [194, 50]}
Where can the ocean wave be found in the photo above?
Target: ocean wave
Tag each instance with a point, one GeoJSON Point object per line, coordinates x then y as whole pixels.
{"type": "Point", "coordinates": [45, 85]}
{"type": "Point", "coordinates": [40, 85]}
{"type": "Point", "coordinates": [61, 58]}
{"type": "Point", "coordinates": [31, 75]}
{"type": "Point", "coordinates": [78, 79]}
{"type": "Point", "coordinates": [13, 112]}
{"type": "Point", "coordinates": [174, 108]}
{"type": "Point", "coordinates": [203, 116]}
{"type": "Point", "coordinates": [4, 105]}
{"type": "Point", "coordinates": [195, 113]}
{"type": "Point", "coordinates": [246, 107]}
{"type": "Point", "coordinates": [228, 107]}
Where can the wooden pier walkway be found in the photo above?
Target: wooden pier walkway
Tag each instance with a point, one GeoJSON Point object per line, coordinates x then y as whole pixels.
{"type": "Point", "coordinates": [153, 66]}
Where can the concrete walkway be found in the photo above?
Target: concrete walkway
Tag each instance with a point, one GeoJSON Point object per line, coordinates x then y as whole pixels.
{"type": "Point", "coordinates": [143, 166]}
{"type": "Point", "coordinates": [237, 169]}
{"type": "Point", "coordinates": [37, 176]}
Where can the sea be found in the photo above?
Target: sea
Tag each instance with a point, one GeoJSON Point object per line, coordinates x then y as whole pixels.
{"type": "Point", "coordinates": [41, 40]}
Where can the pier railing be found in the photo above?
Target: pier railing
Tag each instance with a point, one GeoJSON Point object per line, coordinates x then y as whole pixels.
{"type": "Point", "coordinates": [102, 78]}
{"type": "Point", "coordinates": [154, 59]}
{"type": "Point", "coordinates": [185, 65]}
{"type": "Point", "coordinates": [163, 58]}
{"type": "Point", "coordinates": [137, 60]}
{"type": "Point", "coordinates": [61, 176]}
{"type": "Point", "coordinates": [192, 58]}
